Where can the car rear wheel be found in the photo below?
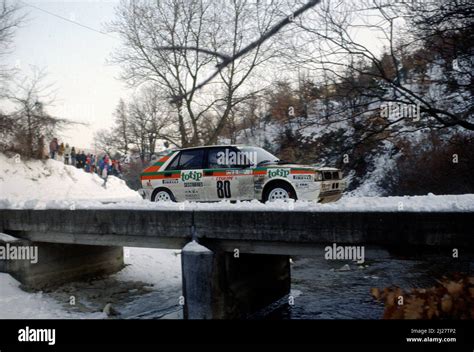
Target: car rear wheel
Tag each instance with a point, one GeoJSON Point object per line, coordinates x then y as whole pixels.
{"type": "Point", "coordinates": [163, 195]}
{"type": "Point", "coordinates": [279, 191]}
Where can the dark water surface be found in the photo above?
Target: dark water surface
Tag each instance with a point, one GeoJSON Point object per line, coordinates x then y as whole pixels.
{"type": "Point", "coordinates": [321, 291]}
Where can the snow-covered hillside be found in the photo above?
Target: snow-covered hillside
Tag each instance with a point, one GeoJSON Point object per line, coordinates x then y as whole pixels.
{"type": "Point", "coordinates": [52, 180]}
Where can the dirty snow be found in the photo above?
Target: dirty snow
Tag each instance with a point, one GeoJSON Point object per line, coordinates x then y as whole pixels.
{"type": "Point", "coordinates": [18, 304]}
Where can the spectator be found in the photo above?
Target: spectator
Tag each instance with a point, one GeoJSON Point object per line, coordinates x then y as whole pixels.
{"type": "Point", "coordinates": [119, 168]}
{"type": "Point", "coordinates": [105, 169]}
{"type": "Point", "coordinates": [61, 152]}
{"type": "Point", "coordinates": [96, 165]}
{"type": "Point", "coordinates": [88, 163]}
{"type": "Point", "coordinates": [67, 154]}
{"type": "Point", "coordinates": [101, 165]}
{"type": "Point", "coordinates": [73, 156]}
{"type": "Point", "coordinates": [114, 170]}
{"type": "Point", "coordinates": [92, 163]}
{"type": "Point", "coordinates": [53, 148]}
{"type": "Point", "coordinates": [78, 160]}
{"type": "Point", "coordinates": [81, 160]}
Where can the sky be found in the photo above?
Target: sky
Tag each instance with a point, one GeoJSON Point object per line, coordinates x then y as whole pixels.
{"type": "Point", "coordinates": [86, 87]}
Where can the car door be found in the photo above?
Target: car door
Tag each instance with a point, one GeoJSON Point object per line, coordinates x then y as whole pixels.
{"type": "Point", "coordinates": [225, 177]}
{"type": "Point", "coordinates": [190, 185]}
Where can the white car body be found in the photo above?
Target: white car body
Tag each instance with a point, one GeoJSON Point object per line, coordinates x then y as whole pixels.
{"type": "Point", "coordinates": [181, 175]}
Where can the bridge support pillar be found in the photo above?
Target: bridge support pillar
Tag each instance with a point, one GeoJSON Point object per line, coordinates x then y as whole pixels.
{"type": "Point", "coordinates": [219, 285]}
{"type": "Point", "coordinates": [57, 264]}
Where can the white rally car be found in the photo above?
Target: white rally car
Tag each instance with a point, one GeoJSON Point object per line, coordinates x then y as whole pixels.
{"type": "Point", "coordinates": [214, 173]}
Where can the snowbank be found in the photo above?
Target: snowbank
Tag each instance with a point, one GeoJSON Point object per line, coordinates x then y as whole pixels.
{"type": "Point", "coordinates": [159, 267]}
{"type": "Point", "coordinates": [21, 181]}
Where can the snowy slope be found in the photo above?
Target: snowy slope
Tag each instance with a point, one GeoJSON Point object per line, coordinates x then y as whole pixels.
{"type": "Point", "coordinates": [52, 180]}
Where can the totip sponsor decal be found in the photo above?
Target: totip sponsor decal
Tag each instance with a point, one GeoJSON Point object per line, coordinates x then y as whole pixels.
{"type": "Point", "coordinates": [191, 175]}
{"type": "Point", "coordinates": [278, 173]}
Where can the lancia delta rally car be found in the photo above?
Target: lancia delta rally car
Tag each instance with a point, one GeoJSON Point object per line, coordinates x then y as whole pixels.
{"type": "Point", "coordinates": [214, 173]}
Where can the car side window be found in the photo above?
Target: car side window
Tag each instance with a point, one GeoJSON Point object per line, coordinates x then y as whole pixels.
{"type": "Point", "coordinates": [174, 164]}
{"type": "Point", "coordinates": [221, 158]}
{"type": "Point", "coordinates": [191, 159]}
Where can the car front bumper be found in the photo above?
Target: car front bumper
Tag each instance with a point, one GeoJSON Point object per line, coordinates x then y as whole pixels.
{"type": "Point", "coordinates": [330, 196]}
{"type": "Point", "coordinates": [331, 191]}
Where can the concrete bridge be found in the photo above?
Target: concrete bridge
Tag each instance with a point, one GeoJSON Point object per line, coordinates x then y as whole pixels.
{"type": "Point", "coordinates": [245, 265]}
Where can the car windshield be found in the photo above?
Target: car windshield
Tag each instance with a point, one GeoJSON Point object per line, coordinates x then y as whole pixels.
{"type": "Point", "coordinates": [256, 155]}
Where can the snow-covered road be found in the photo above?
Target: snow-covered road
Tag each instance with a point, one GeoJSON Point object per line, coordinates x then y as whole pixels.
{"type": "Point", "coordinates": [429, 203]}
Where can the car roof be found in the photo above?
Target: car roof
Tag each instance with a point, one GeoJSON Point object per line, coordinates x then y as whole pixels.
{"type": "Point", "coordinates": [211, 146]}
{"type": "Point", "coordinates": [328, 169]}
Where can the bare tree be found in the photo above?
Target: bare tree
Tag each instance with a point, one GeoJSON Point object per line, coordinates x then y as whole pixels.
{"type": "Point", "coordinates": [139, 125]}
{"type": "Point", "coordinates": [144, 26]}
{"type": "Point", "coordinates": [29, 124]}
{"type": "Point", "coordinates": [244, 22]}
{"type": "Point", "coordinates": [105, 142]}
{"type": "Point", "coordinates": [120, 136]}
{"type": "Point", "coordinates": [10, 20]}
{"type": "Point", "coordinates": [176, 43]}
{"type": "Point", "coordinates": [148, 122]}
{"type": "Point", "coordinates": [390, 75]}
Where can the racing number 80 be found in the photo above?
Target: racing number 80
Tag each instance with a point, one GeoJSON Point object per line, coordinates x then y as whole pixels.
{"type": "Point", "coordinates": [223, 189]}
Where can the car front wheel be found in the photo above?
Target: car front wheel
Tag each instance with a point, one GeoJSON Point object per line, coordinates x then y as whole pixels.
{"type": "Point", "coordinates": [279, 192]}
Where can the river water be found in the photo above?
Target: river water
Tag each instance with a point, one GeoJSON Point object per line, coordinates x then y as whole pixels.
{"type": "Point", "coordinates": [321, 289]}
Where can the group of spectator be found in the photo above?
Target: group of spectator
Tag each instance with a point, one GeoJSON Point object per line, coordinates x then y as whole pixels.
{"type": "Point", "coordinates": [101, 165]}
